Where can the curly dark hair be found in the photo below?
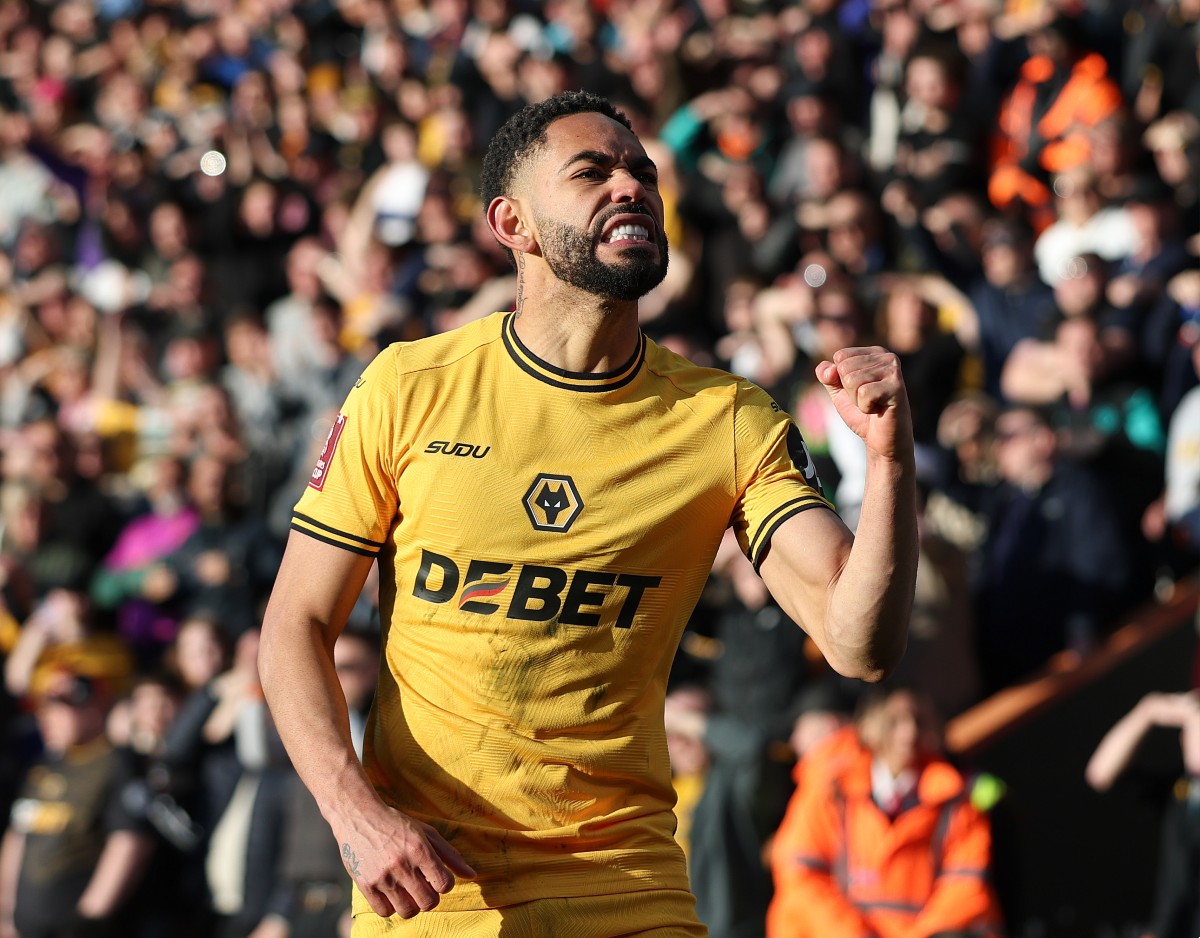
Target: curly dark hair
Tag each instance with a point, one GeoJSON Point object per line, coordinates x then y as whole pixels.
{"type": "Point", "coordinates": [523, 133]}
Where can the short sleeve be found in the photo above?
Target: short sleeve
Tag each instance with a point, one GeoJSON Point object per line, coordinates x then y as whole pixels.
{"type": "Point", "coordinates": [350, 500]}
{"type": "Point", "coordinates": [128, 800]}
{"type": "Point", "coordinates": [776, 476]}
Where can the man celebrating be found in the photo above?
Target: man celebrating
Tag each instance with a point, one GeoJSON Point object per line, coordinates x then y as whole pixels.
{"type": "Point", "coordinates": [544, 491]}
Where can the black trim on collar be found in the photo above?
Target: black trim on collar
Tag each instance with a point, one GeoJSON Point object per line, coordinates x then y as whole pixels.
{"type": "Point", "coordinates": [571, 380]}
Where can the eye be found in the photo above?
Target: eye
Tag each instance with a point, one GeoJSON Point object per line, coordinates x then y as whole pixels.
{"type": "Point", "coordinates": [648, 177]}
{"type": "Point", "coordinates": [589, 174]}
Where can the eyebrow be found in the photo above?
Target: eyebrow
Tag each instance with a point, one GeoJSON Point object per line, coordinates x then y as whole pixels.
{"type": "Point", "coordinates": [606, 159]}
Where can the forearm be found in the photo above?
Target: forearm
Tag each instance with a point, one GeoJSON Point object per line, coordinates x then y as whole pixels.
{"type": "Point", "coordinates": [309, 710]}
{"type": "Point", "coordinates": [871, 598]}
{"type": "Point", "coordinates": [12, 851]}
{"type": "Point", "coordinates": [1117, 748]}
{"type": "Point", "coordinates": [18, 669]}
{"type": "Point", "coordinates": [1033, 374]}
{"type": "Point", "coordinates": [117, 873]}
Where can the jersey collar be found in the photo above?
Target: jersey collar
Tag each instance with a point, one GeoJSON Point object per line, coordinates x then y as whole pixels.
{"type": "Point", "coordinates": [571, 380]}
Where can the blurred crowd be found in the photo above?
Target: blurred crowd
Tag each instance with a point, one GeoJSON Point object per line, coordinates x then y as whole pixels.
{"type": "Point", "coordinates": [213, 213]}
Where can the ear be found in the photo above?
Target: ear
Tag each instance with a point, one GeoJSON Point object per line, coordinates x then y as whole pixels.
{"type": "Point", "coordinates": [505, 218]}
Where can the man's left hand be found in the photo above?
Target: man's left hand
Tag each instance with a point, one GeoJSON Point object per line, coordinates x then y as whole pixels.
{"type": "Point", "coordinates": [868, 391]}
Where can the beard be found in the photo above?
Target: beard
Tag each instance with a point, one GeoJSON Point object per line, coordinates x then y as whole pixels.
{"type": "Point", "coordinates": [570, 253]}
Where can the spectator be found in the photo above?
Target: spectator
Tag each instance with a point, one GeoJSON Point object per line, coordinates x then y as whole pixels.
{"type": "Point", "coordinates": [1172, 143]}
{"type": "Point", "coordinates": [72, 854]}
{"type": "Point", "coordinates": [888, 843]}
{"type": "Point", "coordinates": [73, 520]}
{"type": "Point", "coordinates": [1176, 909]}
{"type": "Point", "coordinates": [224, 741]}
{"type": "Point", "coordinates": [1010, 300]}
{"type": "Point", "coordinates": [169, 892]}
{"type": "Point", "coordinates": [201, 650]}
{"type": "Point", "coordinates": [745, 787]}
{"type": "Point", "coordinates": [932, 358]}
{"type": "Point", "coordinates": [938, 143]}
{"type": "Point", "coordinates": [687, 706]}
{"type": "Point", "coordinates": [228, 563]}
{"type": "Point", "coordinates": [1159, 252]}
{"type": "Point", "coordinates": [59, 633]}
{"type": "Point", "coordinates": [964, 469]}
{"type": "Point", "coordinates": [1104, 419]}
{"type": "Point", "coordinates": [1085, 225]}
{"type": "Point", "coordinates": [1077, 350]}
{"type": "Point", "coordinates": [1054, 567]}
{"type": "Point", "coordinates": [941, 660]}
{"type": "Point", "coordinates": [312, 880]}
{"type": "Point", "coordinates": [122, 581]}
{"type": "Point", "coordinates": [838, 320]}
{"type": "Point", "coordinates": [1174, 517]}
{"type": "Point", "coordinates": [1063, 90]}
{"type": "Point", "coordinates": [823, 741]}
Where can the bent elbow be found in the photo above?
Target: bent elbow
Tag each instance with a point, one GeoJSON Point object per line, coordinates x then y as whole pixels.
{"type": "Point", "coordinates": [871, 665]}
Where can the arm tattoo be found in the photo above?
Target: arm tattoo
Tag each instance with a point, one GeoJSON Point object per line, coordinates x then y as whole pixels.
{"type": "Point", "coordinates": [520, 284]}
{"type": "Point", "coordinates": [350, 858]}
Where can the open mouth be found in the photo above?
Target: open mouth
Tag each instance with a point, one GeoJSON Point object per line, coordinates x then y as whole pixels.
{"type": "Point", "coordinates": [628, 230]}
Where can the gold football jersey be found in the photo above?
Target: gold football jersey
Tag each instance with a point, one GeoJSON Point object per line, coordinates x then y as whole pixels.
{"type": "Point", "coordinates": [543, 537]}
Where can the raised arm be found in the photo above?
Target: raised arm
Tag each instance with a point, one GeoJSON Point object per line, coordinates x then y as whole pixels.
{"type": "Point", "coordinates": [1116, 749]}
{"type": "Point", "coordinates": [400, 865]}
{"type": "Point", "coordinates": [853, 593]}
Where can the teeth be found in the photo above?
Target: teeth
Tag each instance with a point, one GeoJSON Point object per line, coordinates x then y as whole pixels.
{"type": "Point", "coordinates": [629, 233]}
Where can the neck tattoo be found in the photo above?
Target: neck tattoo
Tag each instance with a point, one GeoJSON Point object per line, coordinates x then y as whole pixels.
{"type": "Point", "coordinates": [520, 285]}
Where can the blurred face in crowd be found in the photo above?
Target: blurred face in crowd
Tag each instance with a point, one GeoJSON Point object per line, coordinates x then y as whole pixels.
{"type": "Point", "coordinates": [814, 52]}
{"type": "Point", "coordinates": [247, 345]}
{"type": "Point", "coordinates": [152, 707]}
{"type": "Point", "coordinates": [688, 756]}
{"type": "Point", "coordinates": [837, 319]}
{"type": "Point", "coordinates": [199, 656]}
{"type": "Point", "coordinates": [1024, 448]}
{"type": "Point", "coordinates": [357, 666]}
{"type": "Point", "coordinates": [810, 114]}
{"type": "Point", "coordinates": [301, 268]}
{"type": "Point", "coordinates": [907, 320]}
{"type": "Point", "coordinates": [168, 230]}
{"type": "Point", "coordinates": [1051, 43]}
{"type": "Point", "coordinates": [975, 32]}
{"type": "Point", "coordinates": [900, 29]}
{"type": "Point", "coordinates": [207, 483]}
{"type": "Point", "coordinates": [1006, 260]}
{"type": "Point", "coordinates": [1079, 340]}
{"type": "Point", "coordinates": [37, 456]}
{"type": "Point", "coordinates": [1173, 160]}
{"type": "Point", "coordinates": [813, 726]}
{"type": "Point", "coordinates": [823, 162]}
{"type": "Point", "coordinates": [69, 713]}
{"type": "Point", "coordinates": [1078, 198]}
{"type": "Point", "coordinates": [903, 730]}
{"type": "Point", "coordinates": [1149, 220]}
{"type": "Point", "coordinates": [851, 229]}
{"type": "Point", "coordinates": [1082, 290]}
{"type": "Point", "coordinates": [594, 197]}
{"type": "Point", "coordinates": [927, 83]}
{"type": "Point", "coordinates": [257, 211]}
{"type": "Point", "coordinates": [1109, 147]}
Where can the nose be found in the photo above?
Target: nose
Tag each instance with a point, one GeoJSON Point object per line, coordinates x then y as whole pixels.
{"type": "Point", "coordinates": [627, 187]}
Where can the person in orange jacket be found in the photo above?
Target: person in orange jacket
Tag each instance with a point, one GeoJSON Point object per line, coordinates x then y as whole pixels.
{"type": "Point", "coordinates": [1062, 92]}
{"type": "Point", "coordinates": [881, 839]}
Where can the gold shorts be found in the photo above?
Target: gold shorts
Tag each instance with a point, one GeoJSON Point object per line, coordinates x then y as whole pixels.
{"type": "Point", "coordinates": [661, 913]}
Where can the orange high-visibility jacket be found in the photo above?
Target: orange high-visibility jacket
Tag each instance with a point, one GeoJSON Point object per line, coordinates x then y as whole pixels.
{"type": "Point", "coordinates": [1088, 97]}
{"type": "Point", "coordinates": [843, 869]}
